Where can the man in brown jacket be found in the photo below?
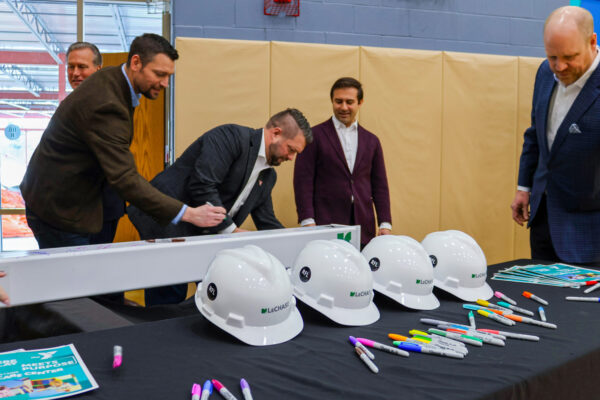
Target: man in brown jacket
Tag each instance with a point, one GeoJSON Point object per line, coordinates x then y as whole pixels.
{"type": "Point", "coordinates": [87, 144]}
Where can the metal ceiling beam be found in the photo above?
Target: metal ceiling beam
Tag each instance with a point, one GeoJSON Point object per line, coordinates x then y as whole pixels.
{"type": "Point", "coordinates": [36, 26]}
{"type": "Point", "coordinates": [120, 26]}
{"type": "Point", "coordinates": [13, 95]}
{"type": "Point", "coordinates": [8, 103]}
{"type": "Point", "coordinates": [26, 57]}
{"type": "Point", "coordinates": [17, 75]}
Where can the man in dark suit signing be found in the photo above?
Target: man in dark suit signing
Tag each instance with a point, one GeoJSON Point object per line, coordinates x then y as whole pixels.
{"type": "Point", "coordinates": [559, 171]}
{"type": "Point", "coordinates": [339, 177]}
{"type": "Point", "coordinates": [228, 166]}
{"type": "Point", "coordinates": [86, 145]}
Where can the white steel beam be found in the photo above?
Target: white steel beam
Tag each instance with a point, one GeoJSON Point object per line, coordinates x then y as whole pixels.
{"type": "Point", "coordinates": [70, 272]}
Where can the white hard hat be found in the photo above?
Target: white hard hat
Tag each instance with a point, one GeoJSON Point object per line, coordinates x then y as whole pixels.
{"type": "Point", "coordinates": [460, 267]}
{"type": "Point", "coordinates": [332, 277]}
{"type": "Point", "coordinates": [247, 292]}
{"type": "Point", "coordinates": [402, 271]}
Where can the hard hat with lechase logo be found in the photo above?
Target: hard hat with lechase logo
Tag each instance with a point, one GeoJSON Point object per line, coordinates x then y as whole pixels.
{"type": "Point", "coordinates": [332, 277]}
{"type": "Point", "coordinates": [402, 271]}
{"type": "Point", "coordinates": [247, 293]}
{"type": "Point", "coordinates": [459, 265]}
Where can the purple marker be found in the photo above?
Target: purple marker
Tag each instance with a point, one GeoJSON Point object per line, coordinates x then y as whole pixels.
{"type": "Point", "coordinates": [245, 389]}
{"type": "Point", "coordinates": [358, 344]}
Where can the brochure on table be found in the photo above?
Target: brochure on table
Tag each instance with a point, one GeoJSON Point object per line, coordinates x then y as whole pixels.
{"type": "Point", "coordinates": [51, 373]}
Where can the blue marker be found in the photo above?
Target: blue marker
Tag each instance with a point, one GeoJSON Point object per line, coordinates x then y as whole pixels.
{"type": "Point", "coordinates": [428, 350]}
{"type": "Point", "coordinates": [206, 390]}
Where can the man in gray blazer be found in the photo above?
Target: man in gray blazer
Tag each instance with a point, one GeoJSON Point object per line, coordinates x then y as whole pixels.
{"type": "Point", "coordinates": [228, 166]}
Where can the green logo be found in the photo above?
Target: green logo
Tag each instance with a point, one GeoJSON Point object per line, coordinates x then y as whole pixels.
{"type": "Point", "coordinates": [480, 275]}
{"type": "Point", "coordinates": [263, 310]}
{"type": "Point", "coordinates": [360, 294]}
{"type": "Point", "coordinates": [351, 293]}
{"type": "Point", "coordinates": [347, 237]}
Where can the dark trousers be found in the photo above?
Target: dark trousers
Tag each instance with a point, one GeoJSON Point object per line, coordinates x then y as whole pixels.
{"type": "Point", "coordinates": [48, 236]}
{"type": "Point", "coordinates": [539, 235]}
{"type": "Point", "coordinates": [107, 234]}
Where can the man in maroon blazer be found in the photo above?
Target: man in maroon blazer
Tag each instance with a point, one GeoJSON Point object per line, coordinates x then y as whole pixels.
{"type": "Point", "coordinates": [341, 175]}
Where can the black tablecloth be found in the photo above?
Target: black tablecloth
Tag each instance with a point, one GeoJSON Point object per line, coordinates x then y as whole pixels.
{"type": "Point", "coordinates": [162, 359]}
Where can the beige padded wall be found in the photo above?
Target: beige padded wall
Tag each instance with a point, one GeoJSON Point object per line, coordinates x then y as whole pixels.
{"type": "Point", "coordinates": [478, 142]}
{"type": "Point", "coordinates": [219, 82]}
{"type": "Point", "coordinates": [472, 114]}
{"type": "Point", "coordinates": [403, 107]}
{"type": "Point", "coordinates": [527, 69]}
{"type": "Point", "coordinates": [301, 77]}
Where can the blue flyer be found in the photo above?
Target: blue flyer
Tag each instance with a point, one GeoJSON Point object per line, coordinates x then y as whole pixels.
{"type": "Point", "coordinates": [51, 373]}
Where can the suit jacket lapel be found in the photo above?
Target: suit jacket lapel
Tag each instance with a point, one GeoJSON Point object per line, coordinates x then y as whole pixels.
{"type": "Point", "coordinates": [255, 138]}
{"type": "Point", "coordinates": [360, 148]}
{"type": "Point", "coordinates": [547, 91]}
{"type": "Point", "coordinates": [584, 100]}
{"type": "Point", "coordinates": [334, 141]}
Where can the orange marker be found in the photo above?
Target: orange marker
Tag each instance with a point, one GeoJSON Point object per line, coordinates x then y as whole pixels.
{"type": "Point", "coordinates": [534, 297]}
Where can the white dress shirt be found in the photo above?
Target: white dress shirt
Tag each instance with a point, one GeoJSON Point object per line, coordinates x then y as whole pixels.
{"type": "Point", "coordinates": [260, 164]}
{"type": "Point", "coordinates": [561, 101]}
{"type": "Point", "coordinates": [348, 136]}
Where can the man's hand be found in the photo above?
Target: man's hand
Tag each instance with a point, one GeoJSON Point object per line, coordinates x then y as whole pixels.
{"type": "Point", "coordinates": [238, 230]}
{"type": "Point", "coordinates": [384, 231]}
{"type": "Point", "coordinates": [3, 296]}
{"type": "Point", "coordinates": [520, 207]}
{"type": "Point", "coordinates": [204, 216]}
{"type": "Point", "coordinates": [304, 226]}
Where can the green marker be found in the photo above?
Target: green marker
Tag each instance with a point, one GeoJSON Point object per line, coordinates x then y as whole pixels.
{"type": "Point", "coordinates": [456, 336]}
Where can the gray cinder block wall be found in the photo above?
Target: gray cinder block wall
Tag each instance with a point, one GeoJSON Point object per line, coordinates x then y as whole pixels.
{"type": "Point", "coordinates": [509, 27]}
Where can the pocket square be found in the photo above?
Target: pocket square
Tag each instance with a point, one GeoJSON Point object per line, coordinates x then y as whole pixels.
{"type": "Point", "coordinates": [574, 128]}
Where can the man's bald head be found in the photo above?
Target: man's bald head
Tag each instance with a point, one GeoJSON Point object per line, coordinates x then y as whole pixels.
{"type": "Point", "coordinates": [580, 17]}
{"type": "Point", "coordinates": [570, 42]}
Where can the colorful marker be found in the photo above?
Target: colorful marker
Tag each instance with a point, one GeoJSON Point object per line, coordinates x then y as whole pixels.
{"type": "Point", "coordinates": [427, 350]}
{"type": "Point", "coordinates": [534, 297]}
{"type": "Point", "coordinates": [487, 304]}
{"type": "Point", "coordinates": [245, 389]}
{"type": "Point", "coordinates": [356, 343]}
{"type": "Point", "coordinates": [513, 335]}
{"type": "Point", "coordinates": [495, 317]}
{"type": "Point", "coordinates": [475, 307]}
{"type": "Point", "coordinates": [502, 296]}
{"type": "Point", "coordinates": [515, 308]}
{"type": "Point", "coordinates": [542, 313]}
{"type": "Point", "coordinates": [434, 322]}
{"type": "Point", "coordinates": [196, 391]}
{"type": "Point", "coordinates": [484, 338]}
{"type": "Point", "coordinates": [117, 356]}
{"type": "Point", "coordinates": [383, 347]}
{"type": "Point", "coordinates": [365, 359]}
{"type": "Point", "coordinates": [461, 338]}
{"type": "Point", "coordinates": [470, 330]}
{"type": "Point", "coordinates": [591, 289]}
{"type": "Point", "coordinates": [223, 390]}
{"type": "Point", "coordinates": [417, 334]}
{"type": "Point", "coordinates": [591, 299]}
{"type": "Point", "coordinates": [433, 342]}
{"type": "Point", "coordinates": [207, 390]}
{"type": "Point", "coordinates": [427, 341]}
{"type": "Point", "coordinates": [527, 320]}
{"type": "Point", "coordinates": [471, 320]}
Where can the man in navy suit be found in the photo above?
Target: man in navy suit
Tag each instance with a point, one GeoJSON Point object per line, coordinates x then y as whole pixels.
{"type": "Point", "coordinates": [339, 177]}
{"type": "Point", "coordinates": [228, 166]}
{"type": "Point", "coordinates": [559, 172]}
